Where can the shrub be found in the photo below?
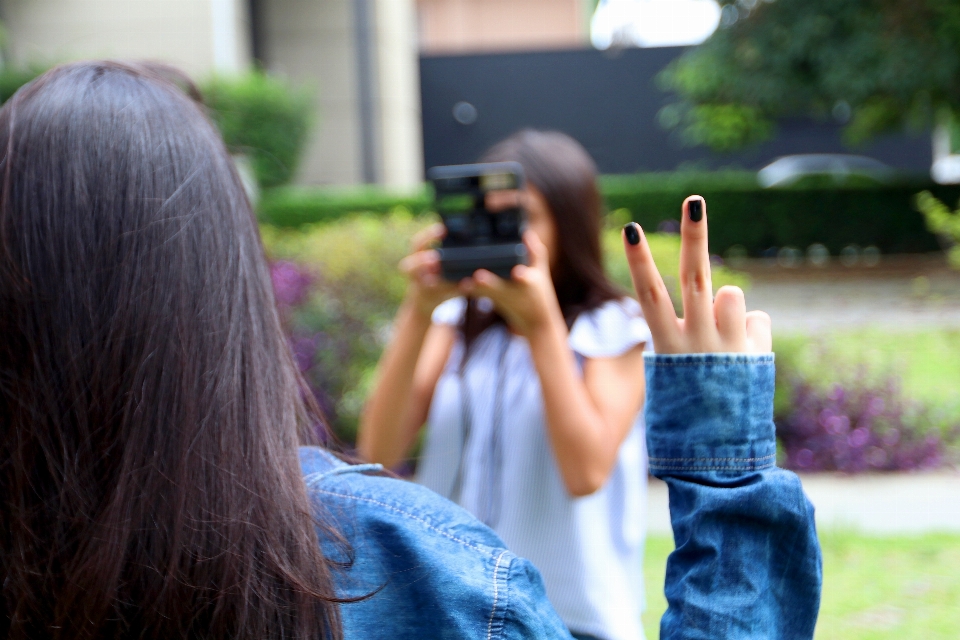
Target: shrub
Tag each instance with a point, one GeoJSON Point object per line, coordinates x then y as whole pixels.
{"type": "Point", "coordinates": [12, 78]}
{"type": "Point", "coordinates": [943, 222]}
{"type": "Point", "coordinates": [858, 428]}
{"type": "Point", "coordinates": [816, 210]}
{"type": "Point", "coordinates": [296, 206]}
{"type": "Point", "coordinates": [338, 288]}
{"type": "Point", "coordinates": [264, 118]}
{"type": "Point", "coordinates": [831, 418]}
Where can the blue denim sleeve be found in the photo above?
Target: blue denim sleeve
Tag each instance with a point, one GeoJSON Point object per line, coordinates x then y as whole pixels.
{"type": "Point", "coordinates": [747, 562]}
{"type": "Point", "coordinates": [529, 614]}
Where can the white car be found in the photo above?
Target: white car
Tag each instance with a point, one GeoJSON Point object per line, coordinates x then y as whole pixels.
{"type": "Point", "coordinates": [787, 170]}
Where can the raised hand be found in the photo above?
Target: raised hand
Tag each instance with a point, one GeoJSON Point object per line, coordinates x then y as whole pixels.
{"type": "Point", "coordinates": [427, 288]}
{"type": "Point", "coordinates": [710, 324]}
{"type": "Point", "coordinates": [527, 300]}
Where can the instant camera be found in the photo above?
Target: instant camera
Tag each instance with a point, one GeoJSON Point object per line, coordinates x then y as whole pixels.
{"type": "Point", "coordinates": [481, 207]}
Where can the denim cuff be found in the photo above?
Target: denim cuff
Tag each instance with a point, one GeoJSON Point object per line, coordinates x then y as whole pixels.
{"type": "Point", "coordinates": [710, 412]}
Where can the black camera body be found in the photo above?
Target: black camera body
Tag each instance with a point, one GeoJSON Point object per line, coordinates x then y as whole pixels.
{"type": "Point", "coordinates": [481, 207]}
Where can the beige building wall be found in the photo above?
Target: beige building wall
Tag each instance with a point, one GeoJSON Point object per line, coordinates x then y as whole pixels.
{"type": "Point", "coordinates": [196, 35]}
{"type": "Point", "coordinates": [313, 43]}
{"type": "Point", "coordinates": [463, 26]}
{"type": "Point", "coordinates": [401, 146]}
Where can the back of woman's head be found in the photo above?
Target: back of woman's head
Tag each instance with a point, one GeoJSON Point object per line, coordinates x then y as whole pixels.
{"type": "Point", "coordinates": [149, 409]}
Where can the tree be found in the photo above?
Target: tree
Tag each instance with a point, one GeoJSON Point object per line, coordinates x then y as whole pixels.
{"type": "Point", "coordinates": [873, 65]}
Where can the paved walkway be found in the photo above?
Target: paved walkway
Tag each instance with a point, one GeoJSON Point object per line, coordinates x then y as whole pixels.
{"type": "Point", "coordinates": [886, 504]}
{"type": "Point", "coordinates": [901, 294]}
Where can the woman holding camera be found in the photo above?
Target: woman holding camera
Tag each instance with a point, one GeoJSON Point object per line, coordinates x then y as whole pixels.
{"type": "Point", "coordinates": [530, 389]}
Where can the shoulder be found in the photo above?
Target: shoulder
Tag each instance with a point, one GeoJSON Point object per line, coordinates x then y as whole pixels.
{"type": "Point", "coordinates": [436, 571]}
{"type": "Point", "coordinates": [384, 498]}
{"type": "Point", "coordinates": [610, 330]}
{"type": "Point", "coordinates": [450, 312]}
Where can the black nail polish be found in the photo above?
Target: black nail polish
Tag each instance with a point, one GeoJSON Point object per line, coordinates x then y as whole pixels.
{"type": "Point", "coordinates": [696, 210]}
{"type": "Point", "coordinates": [633, 235]}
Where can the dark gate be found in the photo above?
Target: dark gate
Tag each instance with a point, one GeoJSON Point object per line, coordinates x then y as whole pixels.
{"type": "Point", "coordinates": [609, 102]}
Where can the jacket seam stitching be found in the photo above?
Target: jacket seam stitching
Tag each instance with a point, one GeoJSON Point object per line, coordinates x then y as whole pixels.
{"type": "Point", "coordinates": [496, 593]}
{"type": "Point", "coordinates": [316, 476]}
{"type": "Point", "coordinates": [768, 457]}
{"type": "Point", "coordinates": [723, 468]}
{"type": "Point", "coordinates": [707, 363]}
{"type": "Point", "coordinates": [407, 514]}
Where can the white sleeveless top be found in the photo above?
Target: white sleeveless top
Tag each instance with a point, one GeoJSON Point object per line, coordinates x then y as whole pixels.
{"type": "Point", "coordinates": [588, 549]}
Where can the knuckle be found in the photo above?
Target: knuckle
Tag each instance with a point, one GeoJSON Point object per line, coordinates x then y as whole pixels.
{"type": "Point", "coordinates": [651, 293]}
{"type": "Point", "coordinates": [697, 282]}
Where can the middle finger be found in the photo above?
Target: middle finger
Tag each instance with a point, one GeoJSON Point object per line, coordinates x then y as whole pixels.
{"type": "Point", "coordinates": [696, 285]}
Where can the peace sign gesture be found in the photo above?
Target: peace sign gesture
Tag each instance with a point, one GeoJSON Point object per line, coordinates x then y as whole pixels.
{"type": "Point", "coordinates": [710, 324]}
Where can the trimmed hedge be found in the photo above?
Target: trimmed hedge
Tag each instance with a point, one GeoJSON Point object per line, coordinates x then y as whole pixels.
{"type": "Point", "coordinates": [741, 212]}
{"type": "Point", "coordinates": [298, 206]}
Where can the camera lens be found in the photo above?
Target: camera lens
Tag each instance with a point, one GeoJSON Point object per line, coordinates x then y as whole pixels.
{"type": "Point", "coordinates": [457, 226]}
{"type": "Point", "coordinates": [507, 225]}
{"type": "Point", "coordinates": [482, 228]}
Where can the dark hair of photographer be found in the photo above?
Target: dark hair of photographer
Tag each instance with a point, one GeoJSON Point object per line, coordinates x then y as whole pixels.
{"type": "Point", "coordinates": [562, 171]}
{"type": "Point", "coordinates": [150, 412]}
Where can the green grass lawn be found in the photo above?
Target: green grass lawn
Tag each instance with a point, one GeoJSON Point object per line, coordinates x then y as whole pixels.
{"type": "Point", "coordinates": [873, 588]}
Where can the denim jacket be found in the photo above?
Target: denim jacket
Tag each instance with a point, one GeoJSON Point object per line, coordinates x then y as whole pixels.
{"type": "Point", "coordinates": [747, 562]}
{"type": "Point", "coordinates": [746, 565]}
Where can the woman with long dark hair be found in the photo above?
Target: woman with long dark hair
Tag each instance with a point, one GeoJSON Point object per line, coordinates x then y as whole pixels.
{"type": "Point", "coordinates": [531, 392]}
{"type": "Point", "coordinates": [150, 412]}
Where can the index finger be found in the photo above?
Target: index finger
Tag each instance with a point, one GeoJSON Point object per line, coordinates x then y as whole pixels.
{"type": "Point", "coordinates": [651, 292]}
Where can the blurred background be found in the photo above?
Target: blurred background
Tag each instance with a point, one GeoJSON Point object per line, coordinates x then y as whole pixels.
{"type": "Point", "coordinates": [824, 134]}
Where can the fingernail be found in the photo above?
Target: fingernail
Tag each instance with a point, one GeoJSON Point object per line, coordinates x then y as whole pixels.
{"type": "Point", "coordinates": [632, 232]}
{"type": "Point", "coordinates": [696, 210]}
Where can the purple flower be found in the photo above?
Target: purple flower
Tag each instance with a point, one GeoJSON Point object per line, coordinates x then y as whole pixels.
{"type": "Point", "coordinates": [890, 432]}
{"type": "Point", "coordinates": [858, 438]}
{"type": "Point", "coordinates": [291, 284]}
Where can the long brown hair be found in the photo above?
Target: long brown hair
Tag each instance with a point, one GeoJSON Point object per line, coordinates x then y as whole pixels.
{"type": "Point", "coordinates": [564, 173]}
{"type": "Point", "coordinates": [150, 411]}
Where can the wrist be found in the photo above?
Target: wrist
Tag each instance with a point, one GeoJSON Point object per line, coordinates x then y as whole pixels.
{"type": "Point", "coordinates": [418, 304]}
{"type": "Point", "coordinates": [417, 311]}
{"type": "Point", "coordinates": [548, 327]}
{"type": "Point", "coordinates": [710, 413]}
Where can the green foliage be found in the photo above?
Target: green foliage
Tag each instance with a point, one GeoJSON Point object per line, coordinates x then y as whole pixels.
{"type": "Point", "coordinates": [12, 78]}
{"type": "Point", "coordinates": [889, 64]}
{"type": "Point", "coordinates": [665, 248]}
{"type": "Point", "coordinates": [356, 291]}
{"type": "Point", "coordinates": [726, 127]}
{"type": "Point", "coordinates": [264, 118]}
{"type": "Point", "coordinates": [942, 221]}
{"type": "Point", "coordinates": [295, 206]}
{"type": "Point", "coordinates": [927, 362]}
{"type": "Point", "coordinates": [742, 213]}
